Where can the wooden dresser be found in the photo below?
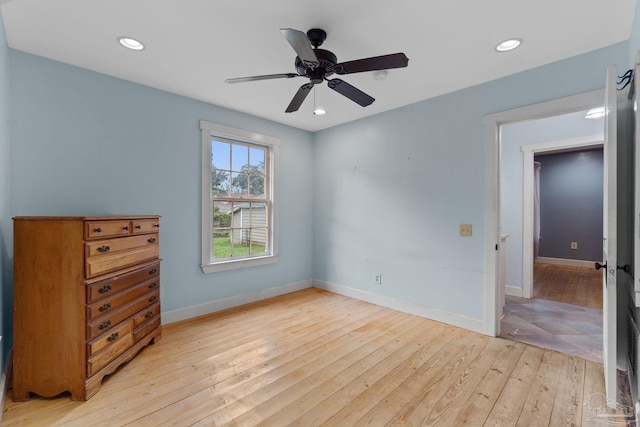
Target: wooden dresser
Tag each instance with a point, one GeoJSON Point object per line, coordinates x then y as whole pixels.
{"type": "Point", "coordinates": [86, 300]}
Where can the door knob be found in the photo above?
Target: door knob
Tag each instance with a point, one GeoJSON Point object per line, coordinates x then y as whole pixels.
{"type": "Point", "coordinates": [626, 268]}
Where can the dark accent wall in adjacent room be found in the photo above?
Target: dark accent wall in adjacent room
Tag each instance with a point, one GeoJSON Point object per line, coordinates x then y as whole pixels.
{"type": "Point", "coordinates": [571, 204]}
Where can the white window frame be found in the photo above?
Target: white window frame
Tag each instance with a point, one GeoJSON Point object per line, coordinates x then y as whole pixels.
{"type": "Point", "coordinates": [213, 130]}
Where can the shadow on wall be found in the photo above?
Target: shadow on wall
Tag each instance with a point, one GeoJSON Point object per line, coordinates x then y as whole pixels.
{"type": "Point", "coordinates": [6, 299]}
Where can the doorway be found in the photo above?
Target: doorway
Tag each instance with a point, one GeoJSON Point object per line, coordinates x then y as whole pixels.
{"type": "Point", "coordinates": [558, 126]}
{"type": "Point", "coordinates": [564, 312]}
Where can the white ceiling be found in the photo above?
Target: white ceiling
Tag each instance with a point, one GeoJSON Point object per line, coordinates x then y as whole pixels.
{"type": "Point", "coordinates": [192, 46]}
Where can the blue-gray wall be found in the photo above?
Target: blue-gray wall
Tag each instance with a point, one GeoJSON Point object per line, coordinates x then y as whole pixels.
{"type": "Point", "coordinates": [6, 269]}
{"type": "Point", "coordinates": [83, 143]}
{"type": "Point", "coordinates": [571, 205]}
{"type": "Point", "coordinates": [392, 189]}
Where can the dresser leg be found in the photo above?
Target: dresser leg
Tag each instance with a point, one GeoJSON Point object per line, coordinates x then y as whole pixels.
{"type": "Point", "coordinates": [78, 395]}
{"type": "Point", "coordinates": [20, 395]}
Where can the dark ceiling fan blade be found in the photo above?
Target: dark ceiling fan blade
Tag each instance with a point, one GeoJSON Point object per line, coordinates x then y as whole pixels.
{"type": "Point", "coordinates": [300, 43]}
{"type": "Point", "coordinates": [354, 94]}
{"type": "Point", "coordinates": [265, 77]}
{"type": "Point", "coordinates": [384, 62]}
{"type": "Point", "coordinates": [299, 97]}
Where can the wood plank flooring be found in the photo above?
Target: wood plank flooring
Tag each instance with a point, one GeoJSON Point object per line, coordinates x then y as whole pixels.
{"type": "Point", "coordinates": [315, 358]}
{"type": "Point", "coordinates": [572, 285]}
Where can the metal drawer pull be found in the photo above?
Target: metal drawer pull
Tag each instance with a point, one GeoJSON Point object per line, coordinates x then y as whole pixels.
{"type": "Point", "coordinates": [98, 230]}
{"type": "Point", "coordinates": [105, 325]}
{"type": "Point", "coordinates": [126, 228]}
{"type": "Point", "coordinates": [105, 289]}
{"type": "Point", "coordinates": [105, 307]}
{"type": "Point", "coordinates": [156, 225]}
{"type": "Point", "coordinates": [104, 249]}
{"type": "Point", "coordinates": [138, 227]}
{"type": "Point", "coordinates": [153, 299]}
{"type": "Point", "coordinates": [113, 337]}
{"type": "Point", "coordinates": [151, 240]}
{"type": "Point", "coordinates": [153, 285]}
{"type": "Point", "coordinates": [153, 271]}
{"type": "Point", "coordinates": [148, 315]}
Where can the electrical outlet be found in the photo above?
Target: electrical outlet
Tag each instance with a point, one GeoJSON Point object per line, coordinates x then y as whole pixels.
{"type": "Point", "coordinates": [377, 278]}
{"type": "Point", "coordinates": [574, 245]}
{"type": "Point", "coordinates": [465, 229]}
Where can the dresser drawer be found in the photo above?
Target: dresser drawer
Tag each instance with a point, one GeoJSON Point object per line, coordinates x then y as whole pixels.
{"type": "Point", "coordinates": [146, 315]}
{"type": "Point", "coordinates": [140, 226]}
{"type": "Point", "coordinates": [97, 265]}
{"type": "Point", "coordinates": [114, 303]}
{"type": "Point", "coordinates": [101, 324]}
{"type": "Point", "coordinates": [118, 345]}
{"type": "Point", "coordinates": [111, 286]}
{"type": "Point", "coordinates": [108, 338]}
{"type": "Point", "coordinates": [145, 329]}
{"type": "Point", "coordinates": [102, 248]}
{"type": "Point", "coordinates": [101, 229]}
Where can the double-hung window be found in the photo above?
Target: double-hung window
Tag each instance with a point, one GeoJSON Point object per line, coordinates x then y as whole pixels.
{"type": "Point", "coordinates": [239, 222]}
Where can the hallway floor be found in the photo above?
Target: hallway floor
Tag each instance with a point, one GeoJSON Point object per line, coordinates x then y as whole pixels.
{"type": "Point", "coordinates": [565, 314]}
{"type": "Point", "coordinates": [567, 328]}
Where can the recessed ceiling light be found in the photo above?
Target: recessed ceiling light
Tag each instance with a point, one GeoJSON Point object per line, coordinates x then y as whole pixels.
{"type": "Point", "coordinates": [508, 45]}
{"type": "Point", "coordinates": [594, 113]}
{"type": "Point", "coordinates": [130, 43]}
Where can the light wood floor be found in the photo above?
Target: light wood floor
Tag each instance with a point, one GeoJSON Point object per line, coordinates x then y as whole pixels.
{"type": "Point", "coordinates": [316, 358]}
{"type": "Point", "coordinates": [572, 285]}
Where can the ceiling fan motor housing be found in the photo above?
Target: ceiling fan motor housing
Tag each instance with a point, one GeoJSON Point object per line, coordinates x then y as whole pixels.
{"type": "Point", "coordinates": [327, 61]}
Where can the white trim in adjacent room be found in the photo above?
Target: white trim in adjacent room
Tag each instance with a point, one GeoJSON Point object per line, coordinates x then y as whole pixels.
{"type": "Point", "coordinates": [567, 262]}
{"type": "Point", "coordinates": [513, 291]}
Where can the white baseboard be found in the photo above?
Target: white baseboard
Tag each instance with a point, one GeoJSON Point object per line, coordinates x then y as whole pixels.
{"type": "Point", "coordinates": [404, 306]}
{"type": "Point", "coordinates": [567, 262]}
{"type": "Point", "coordinates": [222, 304]}
{"type": "Point", "coordinates": [513, 291]}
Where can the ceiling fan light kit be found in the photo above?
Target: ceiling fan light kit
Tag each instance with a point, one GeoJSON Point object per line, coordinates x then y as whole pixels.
{"type": "Point", "coordinates": [318, 64]}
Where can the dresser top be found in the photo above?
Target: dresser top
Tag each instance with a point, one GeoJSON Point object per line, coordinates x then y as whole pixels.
{"type": "Point", "coordinates": [83, 218]}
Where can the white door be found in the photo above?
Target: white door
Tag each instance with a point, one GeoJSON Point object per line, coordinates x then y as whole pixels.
{"type": "Point", "coordinates": [609, 235]}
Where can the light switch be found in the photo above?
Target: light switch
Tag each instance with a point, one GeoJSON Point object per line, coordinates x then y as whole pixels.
{"type": "Point", "coordinates": [465, 230]}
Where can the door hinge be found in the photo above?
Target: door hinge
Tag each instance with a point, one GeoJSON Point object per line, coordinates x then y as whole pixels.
{"type": "Point", "coordinates": [496, 246]}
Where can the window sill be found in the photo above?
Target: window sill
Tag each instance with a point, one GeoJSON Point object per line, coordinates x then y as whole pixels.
{"type": "Point", "coordinates": [239, 263]}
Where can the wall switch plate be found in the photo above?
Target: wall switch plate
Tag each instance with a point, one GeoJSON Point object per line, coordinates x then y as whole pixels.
{"type": "Point", "coordinates": [465, 230]}
{"type": "Point", "coordinates": [377, 278]}
{"type": "Point", "coordinates": [574, 245]}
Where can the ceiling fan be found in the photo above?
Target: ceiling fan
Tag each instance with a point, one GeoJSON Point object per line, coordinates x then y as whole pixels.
{"type": "Point", "coordinates": [318, 64]}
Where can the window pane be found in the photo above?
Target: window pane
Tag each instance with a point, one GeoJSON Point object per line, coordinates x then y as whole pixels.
{"type": "Point", "coordinates": [258, 215]}
{"type": "Point", "coordinates": [256, 186]}
{"type": "Point", "coordinates": [239, 183]}
{"type": "Point", "coordinates": [221, 214]}
{"type": "Point", "coordinates": [259, 241]}
{"type": "Point", "coordinates": [256, 156]}
{"type": "Point", "coordinates": [219, 183]}
{"type": "Point", "coordinates": [220, 154]}
{"type": "Point", "coordinates": [221, 244]}
{"type": "Point", "coordinates": [240, 158]}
